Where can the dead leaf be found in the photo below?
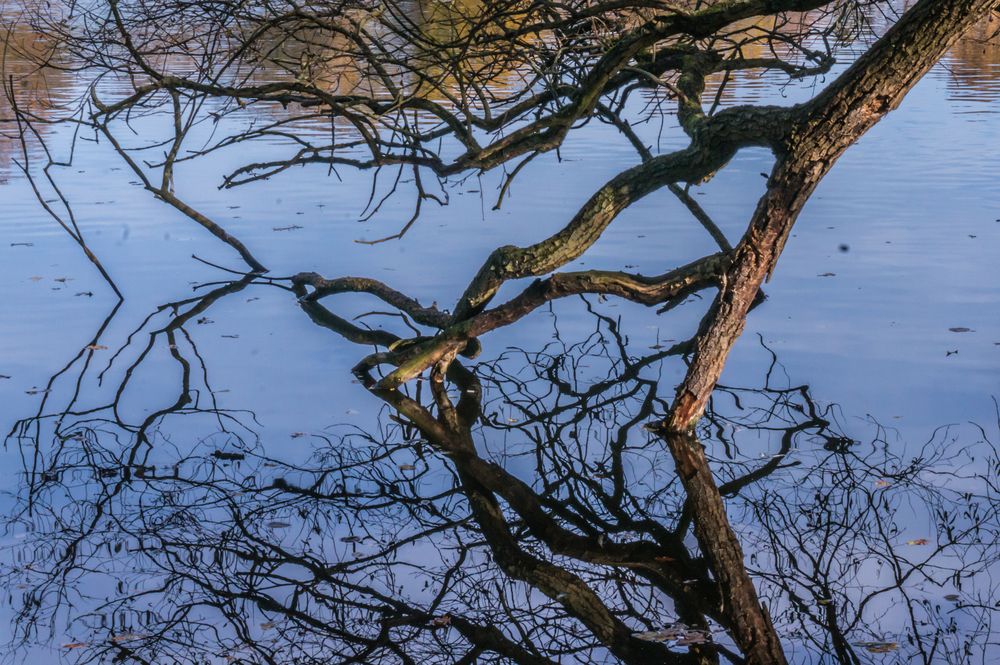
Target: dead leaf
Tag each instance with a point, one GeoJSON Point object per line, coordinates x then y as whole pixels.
{"type": "Point", "coordinates": [878, 647]}
{"type": "Point", "coordinates": [917, 541]}
{"type": "Point", "coordinates": [97, 347]}
{"type": "Point", "coordinates": [882, 483]}
{"type": "Point", "coordinates": [407, 467]}
{"type": "Point", "coordinates": [960, 329]}
{"type": "Point", "coordinates": [75, 645]}
{"type": "Point", "coordinates": [127, 637]}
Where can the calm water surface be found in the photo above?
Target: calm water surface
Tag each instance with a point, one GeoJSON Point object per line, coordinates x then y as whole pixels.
{"type": "Point", "coordinates": [896, 252]}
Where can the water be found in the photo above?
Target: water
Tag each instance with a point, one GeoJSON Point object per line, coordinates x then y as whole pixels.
{"type": "Point", "coordinates": [893, 255]}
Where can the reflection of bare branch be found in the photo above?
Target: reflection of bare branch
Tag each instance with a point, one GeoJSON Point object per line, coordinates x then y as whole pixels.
{"type": "Point", "coordinates": [430, 538]}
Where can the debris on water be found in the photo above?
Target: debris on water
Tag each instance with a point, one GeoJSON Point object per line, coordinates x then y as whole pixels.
{"type": "Point", "coordinates": [679, 633]}
{"type": "Point", "coordinates": [961, 329]}
{"type": "Point", "coordinates": [232, 457]}
{"type": "Point", "coordinates": [878, 647]}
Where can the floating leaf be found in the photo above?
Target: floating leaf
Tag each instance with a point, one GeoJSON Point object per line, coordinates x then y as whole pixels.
{"type": "Point", "coordinates": [276, 524]}
{"type": "Point", "coordinates": [351, 539]}
{"type": "Point", "coordinates": [97, 347]}
{"type": "Point", "coordinates": [878, 647]}
{"type": "Point", "coordinates": [952, 597]}
{"type": "Point", "coordinates": [75, 645]}
{"type": "Point", "coordinates": [882, 483]}
{"type": "Point", "coordinates": [127, 637]}
{"type": "Point", "coordinates": [960, 329]}
{"type": "Point", "coordinates": [406, 467]}
{"type": "Point", "coordinates": [917, 541]}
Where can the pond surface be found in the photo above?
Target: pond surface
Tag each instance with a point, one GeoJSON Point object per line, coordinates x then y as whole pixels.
{"type": "Point", "coordinates": [187, 411]}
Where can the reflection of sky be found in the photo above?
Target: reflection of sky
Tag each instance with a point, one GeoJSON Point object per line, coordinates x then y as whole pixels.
{"type": "Point", "coordinates": [916, 202]}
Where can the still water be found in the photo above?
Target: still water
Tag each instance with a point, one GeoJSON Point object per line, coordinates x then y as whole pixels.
{"type": "Point", "coordinates": [880, 332]}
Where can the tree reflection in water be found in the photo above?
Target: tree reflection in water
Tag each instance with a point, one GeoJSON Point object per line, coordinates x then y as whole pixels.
{"type": "Point", "coordinates": [521, 512]}
{"type": "Point", "coordinates": [519, 509]}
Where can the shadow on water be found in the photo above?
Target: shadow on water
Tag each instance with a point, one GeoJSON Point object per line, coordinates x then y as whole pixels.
{"type": "Point", "coordinates": [523, 512]}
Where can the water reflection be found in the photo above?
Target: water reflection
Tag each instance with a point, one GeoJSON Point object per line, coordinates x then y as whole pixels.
{"type": "Point", "coordinates": [528, 517]}
{"type": "Point", "coordinates": [974, 65]}
{"type": "Point", "coordinates": [560, 502]}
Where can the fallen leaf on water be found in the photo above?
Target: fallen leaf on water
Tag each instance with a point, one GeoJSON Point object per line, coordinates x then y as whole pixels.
{"type": "Point", "coordinates": [76, 645]}
{"type": "Point", "coordinates": [406, 467]}
{"type": "Point", "coordinates": [827, 274]}
{"type": "Point", "coordinates": [917, 541]}
{"type": "Point", "coordinates": [36, 278]}
{"type": "Point", "coordinates": [351, 539]}
{"type": "Point", "coordinates": [278, 525]}
{"type": "Point", "coordinates": [878, 647]}
{"type": "Point", "coordinates": [960, 329]}
{"type": "Point", "coordinates": [97, 347]}
{"type": "Point", "coordinates": [267, 625]}
{"type": "Point", "coordinates": [296, 435]}
{"type": "Point", "coordinates": [952, 596]}
{"type": "Point", "coordinates": [127, 637]}
{"type": "Point", "coordinates": [882, 483]}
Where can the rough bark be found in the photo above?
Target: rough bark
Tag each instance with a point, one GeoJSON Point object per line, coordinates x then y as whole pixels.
{"type": "Point", "coordinates": [820, 133]}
